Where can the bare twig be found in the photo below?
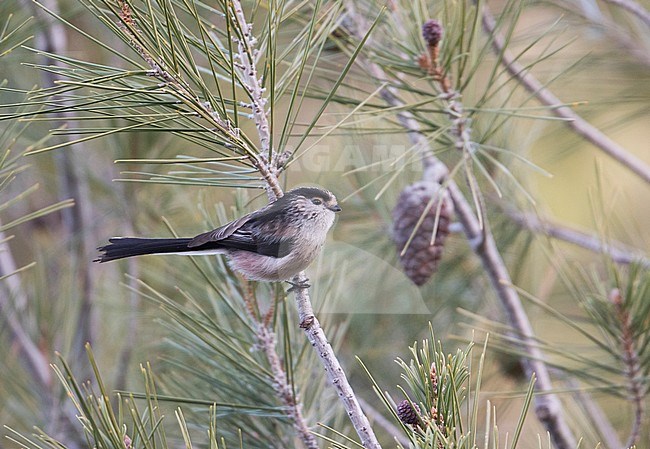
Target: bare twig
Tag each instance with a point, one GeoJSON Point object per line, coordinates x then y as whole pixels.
{"type": "Point", "coordinates": [612, 32]}
{"type": "Point", "coordinates": [634, 8]}
{"type": "Point", "coordinates": [267, 342]}
{"type": "Point", "coordinates": [379, 419]}
{"type": "Point", "coordinates": [605, 429]}
{"type": "Point", "coordinates": [632, 367]}
{"type": "Point", "coordinates": [34, 360]}
{"type": "Point", "coordinates": [547, 405]}
{"type": "Point", "coordinates": [247, 56]}
{"type": "Point", "coordinates": [266, 339]}
{"type": "Point", "coordinates": [573, 120]}
{"type": "Point", "coordinates": [618, 252]}
{"type": "Point", "coordinates": [51, 38]}
{"type": "Point", "coordinates": [309, 323]}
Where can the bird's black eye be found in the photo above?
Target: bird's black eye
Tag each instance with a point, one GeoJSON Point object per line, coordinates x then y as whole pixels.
{"type": "Point", "coordinates": [317, 201]}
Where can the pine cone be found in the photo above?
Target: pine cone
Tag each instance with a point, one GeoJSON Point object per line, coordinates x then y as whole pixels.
{"type": "Point", "coordinates": [407, 414]}
{"type": "Point", "coordinates": [421, 258]}
{"type": "Point", "coordinates": [432, 32]}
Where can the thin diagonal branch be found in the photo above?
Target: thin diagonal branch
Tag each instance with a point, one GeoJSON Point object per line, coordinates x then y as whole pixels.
{"type": "Point", "coordinates": [597, 416]}
{"type": "Point", "coordinates": [386, 424]}
{"type": "Point", "coordinates": [618, 252]}
{"type": "Point", "coordinates": [579, 125]}
{"type": "Point", "coordinates": [267, 340]}
{"type": "Point", "coordinates": [35, 361]}
{"type": "Point", "coordinates": [308, 322]}
{"type": "Point", "coordinates": [247, 55]}
{"type": "Point", "coordinates": [634, 8]}
{"type": "Point", "coordinates": [547, 405]}
{"type": "Point", "coordinates": [52, 39]}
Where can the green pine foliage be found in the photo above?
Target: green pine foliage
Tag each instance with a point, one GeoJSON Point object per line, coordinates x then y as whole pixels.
{"type": "Point", "coordinates": [202, 105]}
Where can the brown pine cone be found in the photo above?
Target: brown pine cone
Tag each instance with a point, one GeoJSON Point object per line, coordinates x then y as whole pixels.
{"type": "Point", "coordinates": [408, 414]}
{"type": "Point", "coordinates": [421, 258]}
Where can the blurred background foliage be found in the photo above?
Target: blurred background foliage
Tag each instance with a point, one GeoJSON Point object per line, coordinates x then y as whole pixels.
{"type": "Point", "coordinates": [593, 55]}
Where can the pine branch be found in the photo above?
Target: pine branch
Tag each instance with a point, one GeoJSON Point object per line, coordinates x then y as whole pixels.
{"type": "Point", "coordinates": [547, 405]}
{"type": "Point", "coordinates": [247, 56]}
{"type": "Point", "coordinates": [618, 252]}
{"type": "Point", "coordinates": [633, 371]}
{"type": "Point", "coordinates": [558, 108]}
{"type": "Point", "coordinates": [35, 361]}
{"type": "Point", "coordinates": [316, 336]}
{"type": "Point", "coordinates": [267, 341]}
{"type": "Point", "coordinates": [386, 424]}
{"type": "Point", "coordinates": [51, 39]}
{"type": "Point", "coordinates": [634, 8]}
{"type": "Point", "coordinates": [308, 321]}
{"type": "Point", "coordinates": [597, 416]}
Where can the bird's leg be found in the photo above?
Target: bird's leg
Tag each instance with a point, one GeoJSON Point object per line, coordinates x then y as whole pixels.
{"type": "Point", "coordinates": [304, 283]}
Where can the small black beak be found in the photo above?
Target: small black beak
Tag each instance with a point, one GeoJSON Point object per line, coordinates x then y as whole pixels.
{"type": "Point", "coordinates": [335, 208]}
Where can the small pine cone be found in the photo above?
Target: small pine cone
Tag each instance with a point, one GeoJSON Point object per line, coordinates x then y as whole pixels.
{"type": "Point", "coordinates": [407, 413]}
{"type": "Point", "coordinates": [432, 32]}
{"type": "Point", "coordinates": [421, 258]}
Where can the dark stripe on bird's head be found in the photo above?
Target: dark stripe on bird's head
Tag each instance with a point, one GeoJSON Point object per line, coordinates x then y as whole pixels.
{"type": "Point", "coordinates": [312, 192]}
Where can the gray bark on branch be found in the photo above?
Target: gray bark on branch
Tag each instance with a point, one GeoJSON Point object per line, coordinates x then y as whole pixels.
{"type": "Point", "coordinates": [308, 322]}
{"type": "Point", "coordinates": [579, 125]}
{"type": "Point", "coordinates": [547, 405]}
{"type": "Point", "coordinates": [618, 252]}
{"type": "Point", "coordinates": [634, 8]}
{"type": "Point", "coordinates": [35, 362]}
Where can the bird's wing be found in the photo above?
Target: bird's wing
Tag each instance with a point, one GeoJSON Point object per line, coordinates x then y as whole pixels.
{"type": "Point", "coordinates": [238, 235]}
{"type": "Point", "coordinates": [220, 233]}
{"type": "Point", "coordinates": [266, 246]}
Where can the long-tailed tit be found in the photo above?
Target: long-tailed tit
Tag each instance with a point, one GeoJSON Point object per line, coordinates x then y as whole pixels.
{"type": "Point", "coordinates": [271, 244]}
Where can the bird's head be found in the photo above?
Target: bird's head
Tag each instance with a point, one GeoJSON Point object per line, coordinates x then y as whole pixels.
{"type": "Point", "coordinates": [313, 200]}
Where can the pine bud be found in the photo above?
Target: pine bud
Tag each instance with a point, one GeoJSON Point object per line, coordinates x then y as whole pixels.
{"type": "Point", "coordinates": [438, 418]}
{"type": "Point", "coordinates": [408, 414]}
{"type": "Point", "coordinates": [422, 256]}
{"type": "Point", "coordinates": [432, 32]}
{"type": "Point", "coordinates": [433, 375]}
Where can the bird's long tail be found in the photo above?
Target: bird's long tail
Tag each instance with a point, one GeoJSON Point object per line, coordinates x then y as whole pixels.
{"type": "Point", "coordinates": [121, 247]}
